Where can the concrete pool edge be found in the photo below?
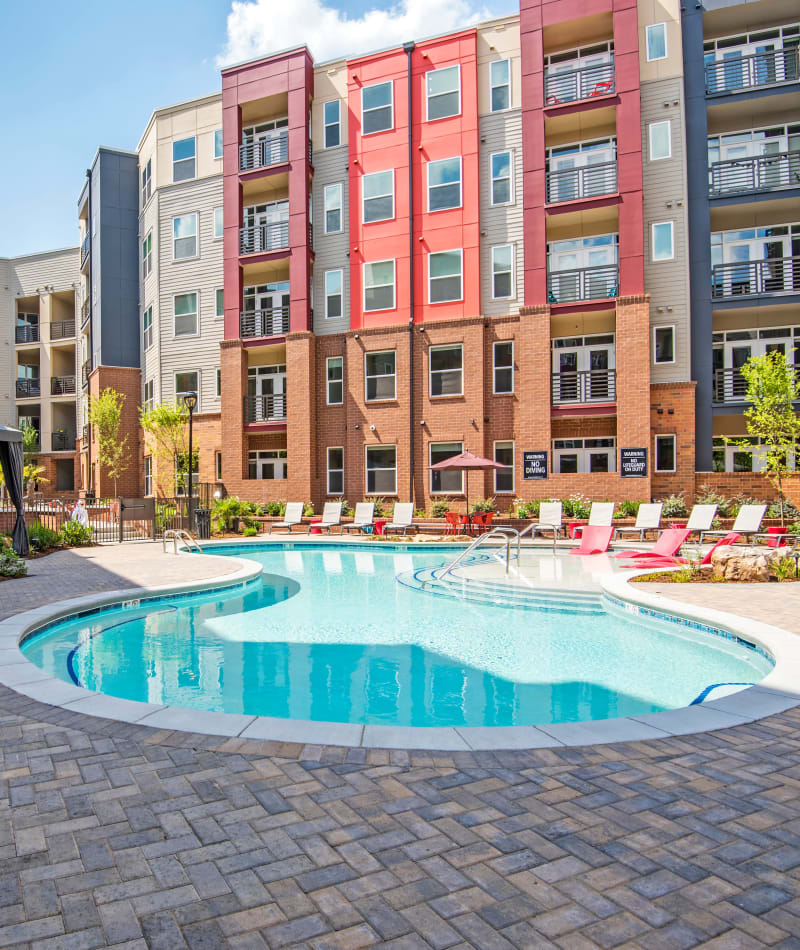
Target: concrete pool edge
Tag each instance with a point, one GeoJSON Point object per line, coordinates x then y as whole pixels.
{"type": "Point", "coordinates": [772, 695]}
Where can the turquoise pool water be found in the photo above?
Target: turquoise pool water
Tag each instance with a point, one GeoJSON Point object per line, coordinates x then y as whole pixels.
{"type": "Point", "coordinates": [331, 635]}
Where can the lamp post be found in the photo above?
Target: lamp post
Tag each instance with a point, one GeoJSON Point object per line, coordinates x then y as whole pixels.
{"type": "Point", "coordinates": [190, 401]}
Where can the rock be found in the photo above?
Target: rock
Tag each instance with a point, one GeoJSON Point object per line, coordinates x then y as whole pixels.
{"type": "Point", "coordinates": [735, 563]}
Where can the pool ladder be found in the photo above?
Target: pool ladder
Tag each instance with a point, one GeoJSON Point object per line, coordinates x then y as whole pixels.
{"type": "Point", "coordinates": [178, 534]}
{"type": "Point", "coordinates": [508, 535]}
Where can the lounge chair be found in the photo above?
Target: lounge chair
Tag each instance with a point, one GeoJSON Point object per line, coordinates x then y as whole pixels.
{"type": "Point", "coordinates": [402, 518]}
{"type": "Point", "coordinates": [363, 518]}
{"type": "Point", "coordinates": [730, 538]}
{"type": "Point", "coordinates": [648, 518]}
{"type": "Point", "coordinates": [601, 515]}
{"type": "Point", "coordinates": [550, 519]}
{"type": "Point", "coordinates": [291, 517]}
{"type": "Point", "coordinates": [701, 518]}
{"type": "Point", "coordinates": [667, 546]}
{"type": "Point", "coordinates": [747, 522]}
{"type": "Point", "coordinates": [331, 517]}
{"type": "Point", "coordinates": [595, 539]}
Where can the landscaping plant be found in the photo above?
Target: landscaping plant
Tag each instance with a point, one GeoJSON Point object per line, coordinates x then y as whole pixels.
{"type": "Point", "coordinates": [41, 537]}
{"type": "Point", "coordinates": [674, 506]}
{"type": "Point", "coordinates": [75, 535]}
{"type": "Point", "coordinates": [709, 496]}
{"type": "Point", "coordinates": [11, 565]}
{"type": "Point", "coordinates": [105, 417]}
{"type": "Point", "coordinates": [577, 505]}
{"type": "Point", "coordinates": [440, 507]}
{"type": "Point", "coordinates": [484, 505]}
{"type": "Point", "coordinates": [627, 509]}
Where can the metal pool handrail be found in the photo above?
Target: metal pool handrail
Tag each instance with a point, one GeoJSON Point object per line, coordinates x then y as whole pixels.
{"type": "Point", "coordinates": [178, 534]}
{"type": "Point", "coordinates": [530, 528]}
{"type": "Point", "coordinates": [500, 530]}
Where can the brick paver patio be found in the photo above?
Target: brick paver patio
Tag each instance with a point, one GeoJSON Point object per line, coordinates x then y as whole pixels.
{"type": "Point", "coordinates": [118, 835]}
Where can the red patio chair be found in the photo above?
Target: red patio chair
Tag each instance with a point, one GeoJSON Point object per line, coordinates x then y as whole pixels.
{"type": "Point", "coordinates": [482, 521]}
{"type": "Point", "coordinates": [594, 540]}
{"type": "Point", "coordinates": [452, 519]}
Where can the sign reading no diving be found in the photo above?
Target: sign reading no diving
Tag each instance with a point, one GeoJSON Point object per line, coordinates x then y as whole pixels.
{"type": "Point", "coordinates": [633, 463]}
{"type": "Point", "coordinates": [534, 465]}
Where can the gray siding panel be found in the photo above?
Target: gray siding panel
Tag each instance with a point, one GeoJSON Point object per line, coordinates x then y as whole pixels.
{"type": "Point", "coordinates": [330, 250]}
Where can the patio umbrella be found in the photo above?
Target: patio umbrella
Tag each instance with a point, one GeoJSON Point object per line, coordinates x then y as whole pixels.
{"type": "Point", "coordinates": [464, 463]}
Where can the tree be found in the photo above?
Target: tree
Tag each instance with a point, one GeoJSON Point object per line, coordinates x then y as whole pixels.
{"type": "Point", "coordinates": [165, 425]}
{"type": "Point", "coordinates": [105, 415]}
{"type": "Point", "coordinates": [772, 390]}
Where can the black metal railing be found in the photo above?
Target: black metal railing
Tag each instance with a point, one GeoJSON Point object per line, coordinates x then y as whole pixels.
{"type": "Point", "coordinates": [581, 386]}
{"type": "Point", "coordinates": [257, 323]}
{"type": "Point", "coordinates": [265, 408]}
{"type": "Point", "coordinates": [62, 385]}
{"type": "Point", "coordinates": [575, 84]}
{"type": "Point", "coordinates": [748, 72]}
{"type": "Point", "coordinates": [63, 441]}
{"type": "Point", "coordinates": [256, 239]}
{"type": "Point", "coordinates": [86, 243]}
{"type": "Point", "coordinates": [774, 275]}
{"type": "Point", "coordinates": [569, 184]}
{"type": "Point", "coordinates": [265, 152]}
{"type": "Point", "coordinates": [26, 334]}
{"type": "Point", "coordinates": [86, 312]}
{"type": "Point", "coordinates": [27, 388]}
{"type": "Point", "coordinates": [757, 173]}
{"type": "Point", "coordinates": [62, 329]}
{"type": "Point", "coordinates": [85, 370]}
{"type": "Point", "coordinates": [584, 283]}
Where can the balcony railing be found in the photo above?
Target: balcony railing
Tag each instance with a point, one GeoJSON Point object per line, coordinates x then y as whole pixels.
{"type": "Point", "coordinates": [86, 312]}
{"type": "Point", "coordinates": [757, 173]}
{"type": "Point", "coordinates": [258, 323]}
{"type": "Point", "coordinates": [576, 84]}
{"type": "Point", "coordinates": [85, 370]}
{"type": "Point", "coordinates": [265, 152]}
{"type": "Point", "coordinates": [63, 441]}
{"type": "Point", "coordinates": [584, 386]}
{"type": "Point", "coordinates": [570, 184]}
{"type": "Point", "coordinates": [265, 408]}
{"type": "Point", "coordinates": [62, 385]}
{"type": "Point", "coordinates": [26, 334]}
{"type": "Point", "coordinates": [749, 72]}
{"type": "Point", "coordinates": [774, 275]}
{"type": "Point", "coordinates": [86, 243]}
{"type": "Point", "coordinates": [28, 388]}
{"type": "Point", "coordinates": [585, 283]}
{"type": "Point", "coordinates": [62, 329]}
{"type": "Point", "coordinates": [256, 239]}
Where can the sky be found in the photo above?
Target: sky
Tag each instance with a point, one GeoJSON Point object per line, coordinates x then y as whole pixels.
{"type": "Point", "coordinates": [76, 76]}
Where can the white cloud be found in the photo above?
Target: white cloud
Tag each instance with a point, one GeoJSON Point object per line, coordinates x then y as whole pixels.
{"type": "Point", "coordinates": [259, 27]}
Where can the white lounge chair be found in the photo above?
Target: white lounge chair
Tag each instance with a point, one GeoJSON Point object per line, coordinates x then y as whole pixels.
{"type": "Point", "coordinates": [747, 522]}
{"type": "Point", "coordinates": [363, 518]}
{"type": "Point", "coordinates": [402, 518]}
{"type": "Point", "coordinates": [701, 518]}
{"type": "Point", "coordinates": [601, 515]}
{"type": "Point", "coordinates": [331, 517]}
{"type": "Point", "coordinates": [648, 518]}
{"type": "Point", "coordinates": [550, 519]}
{"type": "Point", "coordinates": [291, 517]}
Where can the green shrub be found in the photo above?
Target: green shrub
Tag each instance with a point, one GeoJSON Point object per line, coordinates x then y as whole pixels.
{"type": "Point", "coordinates": [627, 509]}
{"type": "Point", "coordinates": [674, 506]}
{"type": "Point", "coordinates": [41, 537]}
{"type": "Point", "coordinates": [789, 510]}
{"type": "Point", "coordinates": [440, 507]}
{"type": "Point", "coordinates": [224, 511]}
{"type": "Point", "coordinates": [420, 513]}
{"type": "Point", "coordinates": [794, 528]}
{"type": "Point", "coordinates": [708, 496]}
{"type": "Point", "coordinates": [347, 509]}
{"type": "Point", "coordinates": [250, 531]}
{"type": "Point", "coordinates": [739, 502]}
{"type": "Point", "coordinates": [11, 565]}
{"type": "Point", "coordinates": [576, 506]}
{"type": "Point", "coordinates": [275, 508]}
{"type": "Point", "coordinates": [784, 569]}
{"type": "Point", "coordinates": [526, 509]}
{"type": "Point", "coordinates": [484, 505]}
{"type": "Point", "coordinates": [74, 535]}
{"type": "Point", "coordinates": [381, 509]}
{"type": "Point", "coordinates": [164, 515]}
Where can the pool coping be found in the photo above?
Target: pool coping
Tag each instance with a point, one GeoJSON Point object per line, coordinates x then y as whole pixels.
{"type": "Point", "coordinates": [776, 693]}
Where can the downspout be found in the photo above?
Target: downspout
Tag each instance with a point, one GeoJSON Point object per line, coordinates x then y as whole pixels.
{"type": "Point", "coordinates": [89, 478]}
{"type": "Point", "coordinates": [409, 49]}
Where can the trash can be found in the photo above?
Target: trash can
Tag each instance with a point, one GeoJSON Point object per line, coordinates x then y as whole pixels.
{"type": "Point", "coordinates": [202, 517]}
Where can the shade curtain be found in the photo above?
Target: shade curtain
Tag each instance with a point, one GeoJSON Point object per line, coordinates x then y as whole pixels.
{"type": "Point", "coordinates": [11, 461]}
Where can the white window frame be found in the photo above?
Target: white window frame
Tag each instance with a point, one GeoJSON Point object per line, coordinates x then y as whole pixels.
{"type": "Point", "coordinates": [147, 331]}
{"type": "Point", "coordinates": [513, 466]}
{"type": "Point", "coordinates": [193, 158]}
{"type": "Point", "coordinates": [328, 469]}
{"type": "Point", "coordinates": [148, 475]}
{"type": "Point", "coordinates": [368, 377]}
{"type": "Point", "coordinates": [649, 30]}
{"type": "Point", "coordinates": [659, 437]}
{"type": "Point", "coordinates": [510, 271]}
{"type": "Point", "coordinates": [493, 86]}
{"type": "Point", "coordinates": [187, 293]}
{"type": "Point", "coordinates": [182, 392]}
{"type": "Point", "coordinates": [653, 226]}
{"type": "Point", "coordinates": [457, 68]}
{"type": "Point", "coordinates": [218, 132]}
{"type": "Point", "coordinates": [664, 326]}
{"type": "Point", "coordinates": [389, 128]}
{"type": "Point", "coordinates": [148, 394]}
{"type": "Point", "coordinates": [219, 218]}
{"type": "Point", "coordinates": [495, 367]}
{"type": "Point", "coordinates": [217, 314]}
{"type": "Point", "coordinates": [334, 189]}
{"type": "Point", "coordinates": [364, 199]}
{"type": "Point", "coordinates": [196, 235]}
{"type": "Point", "coordinates": [393, 285]}
{"type": "Point", "coordinates": [147, 258]}
{"type": "Point", "coordinates": [326, 124]}
{"type": "Point", "coordinates": [379, 445]}
{"type": "Point", "coordinates": [328, 295]}
{"type": "Point", "coordinates": [271, 455]}
{"type": "Point", "coordinates": [449, 184]}
{"type": "Point", "coordinates": [431, 371]}
{"type": "Point", "coordinates": [492, 179]}
{"type": "Point", "coordinates": [650, 127]}
{"type": "Point", "coordinates": [329, 381]}
{"type": "Point", "coordinates": [433, 473]}
{"type": "Point", "coordinates": [454, 250]}
{"type": "Point", "coordinates": [147, 180]}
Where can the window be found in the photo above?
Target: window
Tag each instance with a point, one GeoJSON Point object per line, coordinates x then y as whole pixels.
{"type": "Point", "coordinates": [585, 456]}
{"type": "Point", "coordinates": [381, 469]}
{"type": "Point", "coordinates": [660, 140]}
{"type": "Point", "coordinates": [444, 276]}
{"type": "Point", "coordinates": [502, 271]}
{"type": "Point", "coordinates": [331, 121]}
{"type": "Point", "coordinates": [379, 286]}
{"type": "Point", "coordinates": [443, 89]}
{"type": "Point", "coordinates": [147, 328]}
{"type": "Point", "coordinates": [444, 184]}
{"type": "Point", "coordinates": [380, 375]}
{"type": "Point", "coordinates": [656, 41]}
{"type": "Point", "coordinates": [663, 344]}
{"type": "Point", "coordinates": [333, 293]}
{"type": "Point", "coordinates": [185, 383]}
{"type": "Point", "coordinates": [219, 302]}
{"type": "Point", "coordinates": [147, 254]}
{"type": "Point", "coordinates": [267, 465]}
{"type": "Point", "coordinates": [147, 181]}
{"type": "Point", "coordinates": [504, 367]}
{"type": "Point", "coordinates": [219, 228]}
{"type": "Point", "coordinates": [447, 370]}
{"type": "Point", "coordinates": [219, 382]}
{"type": "Point", "coordinates": [500, 165]}
{"type": "Point", "coordinates": [504, 477]}
{"type": "Point", "coordinates": [500, 85]}
{"type": "Point", "coordinates": [447, 481]}
{"type": "Point", "coordinates": [665, 453]}
{"type": "Point", "coordinates": [335, 471]}
{"type": "Point", "coordinates": [218, 466]}
{"type": "Point", "coordinates": [183, 166]}
{"type": "Point", "coordinates": [185, 312]}
{"type": "Point", "coordinates": [184, 236]}
{"type": "Point", "coordinates": [148, 476]}
{"type": "Point", "coordinates": [148, 399]}
{"type": "Point", "coordinates": [332, 197]}
{"type": "Point", "coordinates": [217, 143]}
{"type": "Point", "coordinates": [377, 195]}
{"type": "Point", "coordinates": [377, 111]}
{"type": "Point", "coordinates": [663, 245]}
{"type": "Point", "coordinates": [334, 374]}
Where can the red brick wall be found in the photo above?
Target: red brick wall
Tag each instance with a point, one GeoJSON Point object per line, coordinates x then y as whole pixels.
{"type": "Point", "coordinates": [127, 381]}
{"type": "Point", "coordinates": [672, 413]}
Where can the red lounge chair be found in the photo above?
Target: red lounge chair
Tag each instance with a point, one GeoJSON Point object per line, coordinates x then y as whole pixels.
{"type": "Point", "coordinates": [667, 545]}
{"type": "Point", "coordinates": [594, 540]}
{"type": "Point", "coordinates": [731, 538]}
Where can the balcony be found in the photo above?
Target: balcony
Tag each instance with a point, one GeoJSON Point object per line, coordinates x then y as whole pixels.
{"type": "Point", "coordinates": [262, 323]}
{"type": "Point", "coordinates": [263, 238]}
{"type": "Point", "coordinates": [265, 408]}
{"type": "Point", "coordinates": [579, 84]}
{"type": "Point", "coordinates": [85, 370]}
{"type": "Point", "coordinates": [758, 173]}
{"type": "Point", "coordinates": [589, 181]}
{"type": "Point", "coordinates": [26, 334]}
{"type": "Point", "coordinates": [28, 388]}
{"type": "Point", "coordinates": [86, 243]}
{"type": "Point", "coordinates": [62, 330]}
{"type": "Point", "coordinates": [584, 386]}
{"type": "Point", "coordinates": [86, 312]}
{"type": "Point", "coordinates": [739, 73]}
{"type": "Point", "coordinates": [585, 283]}
{"type": "Point", "coordinates": [62, 385]}
{"type": "Point", "coordinates": [264, 153]}
{"type": "Point", "coordinates": [774, 275]}
{"type": "Point", "coordinates": [63, 441]}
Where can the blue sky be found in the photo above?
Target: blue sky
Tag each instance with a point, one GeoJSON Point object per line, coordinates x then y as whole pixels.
{"type": "Point", "coordinates": [73, 77]}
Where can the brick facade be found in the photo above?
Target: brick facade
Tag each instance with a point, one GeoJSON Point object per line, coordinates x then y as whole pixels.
{"type": "Point", "coordinates": [126, 380]}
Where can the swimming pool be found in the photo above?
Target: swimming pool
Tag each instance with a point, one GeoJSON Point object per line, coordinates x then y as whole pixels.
{"type": "Point", "coordinates": [329, 634]}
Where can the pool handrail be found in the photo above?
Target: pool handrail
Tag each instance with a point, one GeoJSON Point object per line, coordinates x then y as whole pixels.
{"type": "Point", "coordinates": [178, 534]}
{"type": "Point", "coordinates": [505, 531]}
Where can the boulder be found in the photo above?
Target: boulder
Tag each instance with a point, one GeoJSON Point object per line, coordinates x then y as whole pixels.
{"type": "Point", "coordinates": [735, 563]}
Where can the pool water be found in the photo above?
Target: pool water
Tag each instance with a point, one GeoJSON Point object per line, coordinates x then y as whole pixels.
{"type": "Point", "coordinates": [330, 635]}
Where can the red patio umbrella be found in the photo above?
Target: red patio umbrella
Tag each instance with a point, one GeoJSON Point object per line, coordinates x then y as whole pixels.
{"type": "Point", "coordinates": [463, 463]}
